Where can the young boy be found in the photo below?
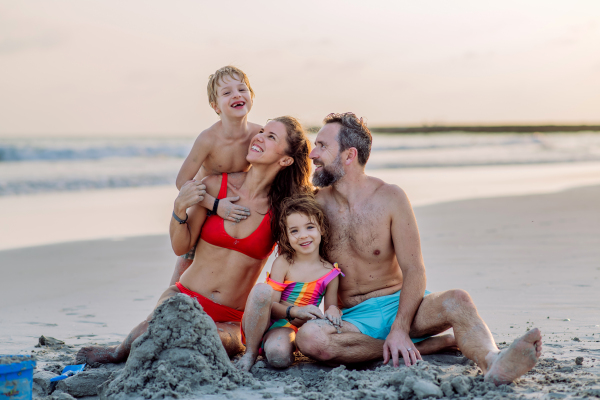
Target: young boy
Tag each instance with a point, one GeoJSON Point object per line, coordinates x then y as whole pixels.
{"type": "Point", "coordinates": [222, 147]}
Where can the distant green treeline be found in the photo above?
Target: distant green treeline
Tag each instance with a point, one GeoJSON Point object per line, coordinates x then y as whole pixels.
{"type": "Point", "coordinates": [488, 129]}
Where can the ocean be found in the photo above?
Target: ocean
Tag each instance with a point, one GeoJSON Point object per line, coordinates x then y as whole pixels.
{"type": "Point", "coordinates": [35, 165]}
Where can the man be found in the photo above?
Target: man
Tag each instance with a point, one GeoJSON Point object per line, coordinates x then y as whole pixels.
{"type": "Point", "coordinates": [375, 241]}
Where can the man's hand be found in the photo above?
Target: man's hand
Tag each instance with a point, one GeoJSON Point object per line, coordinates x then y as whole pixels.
{"type": "Point", "coordinates": [306, 313]}
{"type": "Point", "coordinates": [398, 342]}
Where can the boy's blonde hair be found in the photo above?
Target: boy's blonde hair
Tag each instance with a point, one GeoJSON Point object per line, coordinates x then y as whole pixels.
{"type": "Point", "coordinates": [232, 72]}
{"type": "Point", "coordinates": [304, 203]}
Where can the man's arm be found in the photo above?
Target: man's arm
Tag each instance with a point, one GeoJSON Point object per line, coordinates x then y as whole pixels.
{"type": "Point", "coordinates": [407, 246]}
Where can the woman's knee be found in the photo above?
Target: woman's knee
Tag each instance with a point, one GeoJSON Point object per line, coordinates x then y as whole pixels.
{"type": "Point", "coordinates": [313, 341]}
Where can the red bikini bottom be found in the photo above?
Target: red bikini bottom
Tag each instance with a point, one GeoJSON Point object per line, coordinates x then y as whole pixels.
{"type": "Point", "coordinates": [217, 312]}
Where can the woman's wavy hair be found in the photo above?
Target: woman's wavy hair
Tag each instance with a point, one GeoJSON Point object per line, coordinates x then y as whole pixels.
{"type": "Point", "coordinates": [302, 204]}
{"type": "Point", "coordinates": [294, 179]}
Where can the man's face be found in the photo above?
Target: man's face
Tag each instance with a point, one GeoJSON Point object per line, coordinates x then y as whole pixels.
{"type": "Point", "coordinates": [326, 156]}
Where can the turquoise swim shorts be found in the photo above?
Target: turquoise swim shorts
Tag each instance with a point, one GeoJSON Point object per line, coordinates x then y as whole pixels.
{"type": "Point", "coordinates": [374, 317]}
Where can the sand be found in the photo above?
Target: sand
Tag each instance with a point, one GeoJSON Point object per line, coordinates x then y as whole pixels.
{"type": "Point", "coordinates": [526, 260]}
{"type": "Point", "coordinates": [180, 354]}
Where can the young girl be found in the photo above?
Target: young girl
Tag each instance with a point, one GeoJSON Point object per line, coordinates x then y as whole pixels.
{"type": "Point", "coordinates": [300, 278]}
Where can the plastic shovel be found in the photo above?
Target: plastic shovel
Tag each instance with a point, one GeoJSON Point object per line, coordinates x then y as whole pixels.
{"type": "Point", "coordinates": [68, 371]}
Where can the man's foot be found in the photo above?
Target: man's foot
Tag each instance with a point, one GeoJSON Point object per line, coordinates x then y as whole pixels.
{"type": "Point", "coordinates": [100, 355]}
{"type": "Point", "coordinates": [517, 360]}
{"type": "Point", "coordinates": [247, 361]}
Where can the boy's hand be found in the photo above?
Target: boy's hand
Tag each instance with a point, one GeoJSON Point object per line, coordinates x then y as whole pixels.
{"type": "Point", "coordinates": [192, 192]}
{"type": "Point", "coordinates": [333, 314]}
{"type": "Point", "coordinates": [231, 212]}
{"type": "Point", "coordinates": [306, 313]}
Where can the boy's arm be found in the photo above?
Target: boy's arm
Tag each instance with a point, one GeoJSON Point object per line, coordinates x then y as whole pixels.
{"type": "Point", "coordinates": [193, 162]}
{"type": "Point", "coordinates": [226, 209]}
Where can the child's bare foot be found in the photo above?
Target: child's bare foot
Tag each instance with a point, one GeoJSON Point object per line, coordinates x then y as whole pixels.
{"type": "Point", "coordinates": [247, 361]}
{"type": "Point", "coordinates": [517, 360]}
{"type": "Point", "coordinates": [100, 354]}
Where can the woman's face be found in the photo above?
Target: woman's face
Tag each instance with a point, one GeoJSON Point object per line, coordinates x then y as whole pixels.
{"type": "Point", "coordinates": [270, 145]}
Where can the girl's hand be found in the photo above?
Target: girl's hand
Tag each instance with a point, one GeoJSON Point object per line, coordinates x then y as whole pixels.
{"type": "Point", "coordinates": [306, 313]}
{"type": "Point", "coordinates": [231, 212]}
{"type": "Point", "coordinates": [192, 192]}
{"type": "Point", "coordinates": [334, 315]}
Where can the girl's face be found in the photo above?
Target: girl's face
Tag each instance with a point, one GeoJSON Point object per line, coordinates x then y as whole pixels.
{"type": "Point", "coordinates": [303, 233]}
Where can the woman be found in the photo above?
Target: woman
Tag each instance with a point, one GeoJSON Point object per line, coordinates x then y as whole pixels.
{"type": "Point", "coordinates": [230, 256]}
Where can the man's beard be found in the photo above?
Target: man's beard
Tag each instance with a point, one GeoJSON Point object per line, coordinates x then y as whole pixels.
{"type": "Point", "coordinates": [327, 176]}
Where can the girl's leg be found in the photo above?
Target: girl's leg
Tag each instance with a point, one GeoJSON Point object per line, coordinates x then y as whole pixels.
{"type": "Point", "coordinates": [255, 322]}
{"type": "Point", "coordinates": [279, 347]}
{"type": "Point", "coordinates": [115, 354]}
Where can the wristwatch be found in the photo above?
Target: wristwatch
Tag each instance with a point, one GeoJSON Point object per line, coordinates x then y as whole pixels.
{"type": "Point", "coordinates": [287, 314]}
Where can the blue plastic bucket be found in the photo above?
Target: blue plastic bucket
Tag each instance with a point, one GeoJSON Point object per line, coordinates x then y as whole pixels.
{"type": "Point", "coordinates": [16, 377]}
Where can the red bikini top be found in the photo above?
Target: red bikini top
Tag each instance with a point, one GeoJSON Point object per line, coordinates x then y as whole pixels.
{"type": "Point", "coordinates": [259, 244]}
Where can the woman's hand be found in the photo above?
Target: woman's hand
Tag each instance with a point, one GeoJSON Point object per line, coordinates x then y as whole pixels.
{"type": "Point", "coordinates": [192, 192]}
{"type": "Point", "coordinates": [231, 212]}
{"type": "Point", "coordinates": [306, 313]}
{"type": "Point", "coordinates": [334, 315]}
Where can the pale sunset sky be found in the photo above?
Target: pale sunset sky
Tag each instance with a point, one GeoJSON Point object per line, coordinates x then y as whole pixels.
{"type": "Point", "coordinates": [115, 67]}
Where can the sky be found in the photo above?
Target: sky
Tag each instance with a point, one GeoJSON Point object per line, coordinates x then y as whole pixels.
{"type": "Point", "coordinates": [114, 67]}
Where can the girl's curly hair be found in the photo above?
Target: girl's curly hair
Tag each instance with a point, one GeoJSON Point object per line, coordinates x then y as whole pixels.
{"type": "Point", "coordinates": [304, 203]}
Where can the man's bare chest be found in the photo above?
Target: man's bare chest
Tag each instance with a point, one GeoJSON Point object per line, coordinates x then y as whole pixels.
{"type": "Point", "coordinates": [363, 233]}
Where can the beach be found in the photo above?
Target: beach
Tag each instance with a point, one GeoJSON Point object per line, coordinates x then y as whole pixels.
{"type": "Point", "coordinates": [521, 240]}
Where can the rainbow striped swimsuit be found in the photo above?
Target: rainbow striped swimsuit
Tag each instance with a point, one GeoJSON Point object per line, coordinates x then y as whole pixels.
{"type": "Point", "coordinates": [302, 293]}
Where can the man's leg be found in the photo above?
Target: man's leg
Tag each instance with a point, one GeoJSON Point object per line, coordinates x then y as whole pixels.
{"type": "Point", "coordinates": [455, 308]}
{"type": "Point", "coordinates": [437, 313]}
{"type": "Point", "coordinates": [320, 340]}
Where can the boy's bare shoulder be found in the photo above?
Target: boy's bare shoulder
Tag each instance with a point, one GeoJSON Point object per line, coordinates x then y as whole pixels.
{"type": "Point", "coordinates": [212, 131]}
{"type": "Point", "coordinates": [254, 128]}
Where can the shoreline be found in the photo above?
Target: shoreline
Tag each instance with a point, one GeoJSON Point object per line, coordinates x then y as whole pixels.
{"type": "Point", "coordinates": [51, 218]}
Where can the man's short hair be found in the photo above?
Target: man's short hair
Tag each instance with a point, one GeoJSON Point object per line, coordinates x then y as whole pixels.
{"type": "Point", "coordinates": [353, 133]}
{"type": "Point", "coordinates": [232, 72]}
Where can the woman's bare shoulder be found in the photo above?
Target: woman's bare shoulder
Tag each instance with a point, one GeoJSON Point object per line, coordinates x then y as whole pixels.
{"type": "Point", "coordinates": [213, 184]}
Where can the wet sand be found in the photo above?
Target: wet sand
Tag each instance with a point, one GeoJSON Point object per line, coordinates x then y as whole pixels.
{"type": "Point", "coordinates": [527, 261]}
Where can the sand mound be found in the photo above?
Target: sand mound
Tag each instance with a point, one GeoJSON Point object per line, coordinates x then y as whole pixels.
{"type": "Point", "coordinates": [180, 354]}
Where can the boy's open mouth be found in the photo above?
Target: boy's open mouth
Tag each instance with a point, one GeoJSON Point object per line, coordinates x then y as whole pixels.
{"type": "Point", "coordinates": [238, 104]}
